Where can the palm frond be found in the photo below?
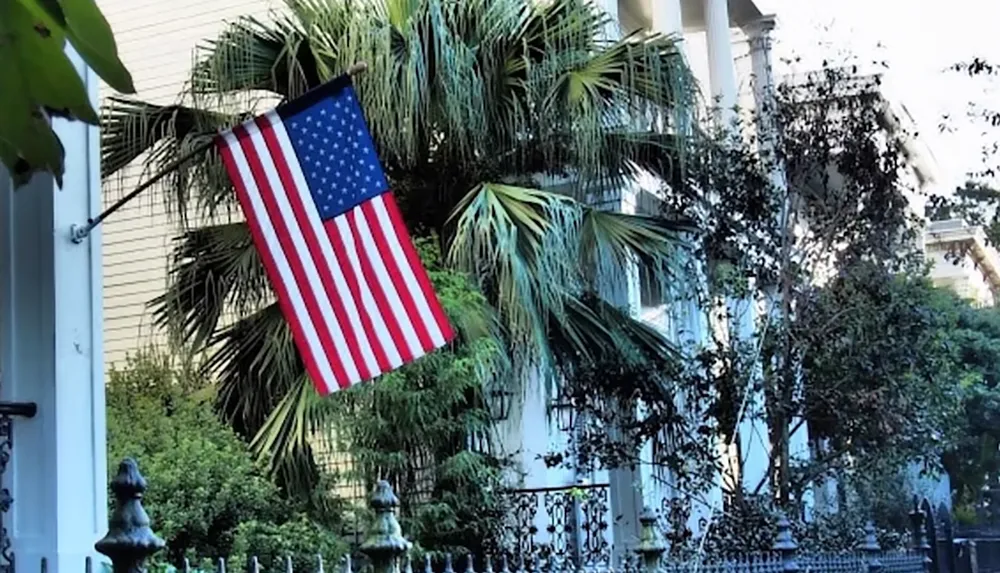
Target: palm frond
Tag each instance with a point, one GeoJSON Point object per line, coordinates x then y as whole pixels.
{"type": "Point", "coordinates": [536, 252]}
{"type": "Point", "coordinates": [130, 128]}
{"type": "Point", "coordinates": [250, 55]}
{"type": "Point", "coordinates": [161, 135]}
{"type": "Point", "coordinates": [513, 239]}
{"type": "Point", "coordinates": [256, 365]}
{"type": "Point", "coordinates": [591, 328]}
{"type": "Point", "coordinates": [609, 240]}
{"type": "Point", "coordinates": [214, 270]}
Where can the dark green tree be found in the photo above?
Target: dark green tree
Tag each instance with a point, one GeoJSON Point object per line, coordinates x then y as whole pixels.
{"type": "Point", "coordinates": [496, 121]}
{"type": "Point", "coordinates": [207, 496]}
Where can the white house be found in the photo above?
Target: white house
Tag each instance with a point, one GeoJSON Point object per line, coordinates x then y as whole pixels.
{"type": "Point", "coordinates": [62, 301]}
{"type": "Point", "coordinates": [727, 45]}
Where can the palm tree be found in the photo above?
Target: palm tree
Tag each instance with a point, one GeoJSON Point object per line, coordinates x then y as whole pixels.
{"type": "Point", "coordinates": [497, 121]}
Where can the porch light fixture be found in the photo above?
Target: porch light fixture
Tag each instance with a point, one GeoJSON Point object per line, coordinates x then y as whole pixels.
{"type": "Point", "coordinates": [564, 411]}
{"type": "Point", "coordinates": [498, 402]}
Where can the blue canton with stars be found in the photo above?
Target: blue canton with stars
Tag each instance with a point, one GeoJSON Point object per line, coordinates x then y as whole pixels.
{"type": "Point", "coordinates": [335, 150]}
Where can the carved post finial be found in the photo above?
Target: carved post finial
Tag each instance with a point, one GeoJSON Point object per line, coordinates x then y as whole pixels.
{"type": "Point", "coordinates": [786, 546]}
{"type": "Point", "coordinates": [871, 548]}
{"type": "Point", "coordinates": [129, 541]}
{"type": "Point", "coordinates": [651, 546]}
{"type": "Point", "coordinates": [384, 544]}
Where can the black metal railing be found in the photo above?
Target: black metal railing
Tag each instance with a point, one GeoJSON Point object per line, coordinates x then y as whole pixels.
{"type": "Point", "coordinates": [562, 522]}
{"type": "Point", "coordinates": [130, 542]}
{"type": "Point", "coordinates": [9, 411]}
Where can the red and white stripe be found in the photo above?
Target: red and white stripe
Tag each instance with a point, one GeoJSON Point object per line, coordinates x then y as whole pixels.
{"type": "Point", "coordinates": [353, 289]}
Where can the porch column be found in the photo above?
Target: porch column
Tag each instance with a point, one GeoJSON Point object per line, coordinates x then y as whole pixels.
{"type": "Point", "coordinates": [667, 17]}
{"type": "Point", "coordinates": [721, 69]}
{"type": "Point", "coordinates": [51, 354]}
{"type": "Point", "coordinates": [613, 29]}
{"type": "Point", "coordinates": [755, 446]}
{"type": "Point", "coordinates": [759, 37]}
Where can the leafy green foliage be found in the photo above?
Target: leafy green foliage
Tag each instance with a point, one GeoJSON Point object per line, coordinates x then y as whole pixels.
{"type": "Point", "coordinates": [491, 120]}
{"type": "Point", "coordinates": [40, 80]}
{"type": "Point", "coordinates": [974, 455]}
{"type": "Point", "coordinates": [415, 427]}
{"type": "Point", "coordinates": [751, 528]}
{"type": "Point", "coordinates": [207, 498]}
{"type": "Point", "coordinates": [299, 538]}
{"type": "Point", "coordinates": [894, 329]}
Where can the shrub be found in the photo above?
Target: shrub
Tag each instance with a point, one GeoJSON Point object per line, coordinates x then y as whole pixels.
{"type": "Point", "coordinates": [207, 497]}
{"type": "Point", "coordinates": [299, 538]}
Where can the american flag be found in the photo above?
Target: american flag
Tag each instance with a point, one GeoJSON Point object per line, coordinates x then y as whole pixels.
{"type": "Point", "coordinates": [331, 237]}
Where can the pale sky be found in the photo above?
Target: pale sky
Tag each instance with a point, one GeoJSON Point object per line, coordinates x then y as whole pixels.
{"type": "Point", "coordinates": [917, 39]}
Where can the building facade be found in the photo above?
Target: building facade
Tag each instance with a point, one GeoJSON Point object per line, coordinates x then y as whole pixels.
{"type": "Point", "coordinates": [962, 260]}
{"type": "Point", "coordinates": [727, 45]}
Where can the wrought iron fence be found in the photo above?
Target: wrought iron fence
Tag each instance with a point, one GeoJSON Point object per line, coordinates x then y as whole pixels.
{"type": "Point", "coordinates": [568, 523]}
{"type": "Point", "coordinates": [130, 542]}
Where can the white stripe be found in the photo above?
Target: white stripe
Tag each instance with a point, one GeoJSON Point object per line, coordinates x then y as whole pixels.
{"type": "Point", "coordinates": [281, 262]}
{"type": "Point", "coordinates": [388, 285]}
{"type": "Point", "coordinates": [437, 337]}
{"type": "Point", "coordinates": [323, 240]}
{"type": "Point", "coordinates": [347, 236]}
{"type": "Point", "coordinates": [326, 247]}
{"type": "Point", "coordinates": [301, 246]}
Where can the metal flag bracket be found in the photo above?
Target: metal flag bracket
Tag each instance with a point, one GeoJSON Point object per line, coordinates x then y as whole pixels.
{"type": "Point", "coordinates": [77, 233]}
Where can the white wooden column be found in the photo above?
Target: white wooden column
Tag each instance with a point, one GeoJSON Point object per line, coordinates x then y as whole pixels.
{"type": "Point", "coordinates": [721, 68]}
{"type": "Point", "coordinates": [51, 353]}
{"type": "Point", "coordinates": [667, 17]}
{"type": "Point", "coordinates": [613, 30]}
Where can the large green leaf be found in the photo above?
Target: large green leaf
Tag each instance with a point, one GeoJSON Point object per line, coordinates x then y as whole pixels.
{"type": "Point", "coordinates": [49, 76]}
{"type": "Point", "coordinates": [29, 63]}
{"type": "Point", "coordinates": [90, 34]}
{"type": "Point", "coordinates": [47, 11]}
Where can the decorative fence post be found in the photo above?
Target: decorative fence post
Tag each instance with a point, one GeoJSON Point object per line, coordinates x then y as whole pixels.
{"type": "Point", "coordinates": [920, 545]}
{"type": "Point", "coordinates": [651, 547]}
{"type": "Point", "coordinates": [786, 546]}
{"type": "Point", "coordinates": [871, 548]}
{"type": "Point", "coordinates": [129, 541]}
{"type": "Point", "coordinates": [385, 544]}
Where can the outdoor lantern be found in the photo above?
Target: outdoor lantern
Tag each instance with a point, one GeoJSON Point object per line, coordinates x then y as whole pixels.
{"type": "Point", "coordinates": [564, 411]}
{"type": "Point", "coordinates": [499, 404]}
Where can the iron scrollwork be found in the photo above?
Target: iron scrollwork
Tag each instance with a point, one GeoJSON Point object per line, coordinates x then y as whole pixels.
{"type": "Point", "coordinates": [566, 523]}
{"type": "Point", "coordinates": [8, 410]}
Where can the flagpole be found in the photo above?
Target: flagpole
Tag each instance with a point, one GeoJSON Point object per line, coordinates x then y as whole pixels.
{"type": "Point", "coordinates": [80, 232]}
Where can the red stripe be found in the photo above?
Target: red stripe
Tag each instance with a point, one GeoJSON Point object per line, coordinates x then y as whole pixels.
{"type": "Point", "coordinates": [418, 268]}
{"type": "Point", "coordinates": [312, 243]}
{"type": "Point", "coordinates": [379, 233]}
{"type": "Point", "coordinates": [267, 258]}
{"type": "Point", "coordinates": [381, 300]}
{"type": "Point", "coordinates": [353, 285]}
{"type": "Point", "coordinates": [366, 320]}
{"type": "Point", "coordinates": [288, 248]}
{"type": "Point", "coordinates": [382, 247]}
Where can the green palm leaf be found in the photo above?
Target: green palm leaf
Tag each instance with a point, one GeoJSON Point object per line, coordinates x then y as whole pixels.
{"type": "Point", "coordinates": [214, 270]}
{"type": "Point", "coordinates": [496, 120]}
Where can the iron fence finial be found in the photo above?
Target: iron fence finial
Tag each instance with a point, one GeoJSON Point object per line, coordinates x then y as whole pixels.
{"type": "Point", "coordinates": [871, 548]}
{"type": "Point", "coordinates": [129, 541]}
{"type": "Point", "coordinates": [785, 545]}
{"type": "Point", "coordinates": [651, 546]}
{"type": "Point", "coordinates": [385, 543]}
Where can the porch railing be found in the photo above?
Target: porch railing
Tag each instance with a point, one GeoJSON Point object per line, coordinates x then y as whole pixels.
{"type": "Point", "coordinates": [568, 523]}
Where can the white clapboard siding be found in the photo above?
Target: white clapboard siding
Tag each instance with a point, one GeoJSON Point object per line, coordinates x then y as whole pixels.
{"type": "Point", "coordinates": [156, 41]}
